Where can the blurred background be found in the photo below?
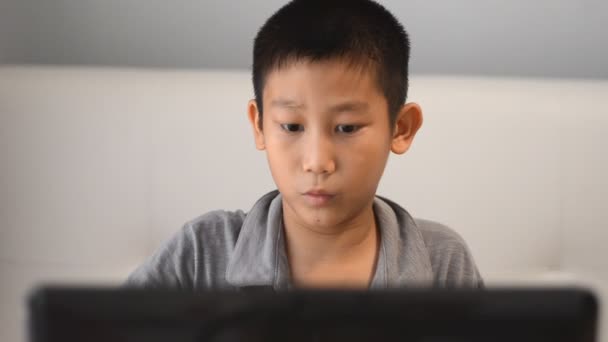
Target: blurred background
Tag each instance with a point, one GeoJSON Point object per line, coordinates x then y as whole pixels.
{"type": "Point", "coordinates": [122, 119]}
{"type": "Point", "coordinates": [544, 38]}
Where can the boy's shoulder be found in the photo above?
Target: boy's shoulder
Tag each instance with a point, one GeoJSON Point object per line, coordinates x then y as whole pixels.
{"type": "Point", "coordinates": [217, 223]}
{"type": "Point", "coordinates": [433, 245]}
{"type": "Point", "coordinates": [199, 251]}
{"type": "Point", "coordinates": [451, 258]}
{"type": "Point", "coordinates": [439, 237]}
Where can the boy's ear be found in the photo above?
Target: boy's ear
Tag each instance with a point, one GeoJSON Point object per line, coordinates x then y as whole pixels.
{"type": "Point", "coordinates": [254, 120]}
{"type": "Point", "coordinates": [407, 123]}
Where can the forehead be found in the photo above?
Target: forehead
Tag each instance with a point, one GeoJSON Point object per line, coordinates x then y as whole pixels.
{"type": "Point", "coordinates": [306, 80]}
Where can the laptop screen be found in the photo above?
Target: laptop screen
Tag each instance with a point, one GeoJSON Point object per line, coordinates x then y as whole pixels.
{"type": "Point", "coordinates": [85, 314]}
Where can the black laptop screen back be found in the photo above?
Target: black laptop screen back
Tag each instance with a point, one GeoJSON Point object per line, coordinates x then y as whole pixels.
{"type": "Point", "coordinates": [70, 315]}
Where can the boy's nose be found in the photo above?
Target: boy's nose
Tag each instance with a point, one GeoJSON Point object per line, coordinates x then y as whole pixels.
{"type": "Point", "coordinates": [319, 156]}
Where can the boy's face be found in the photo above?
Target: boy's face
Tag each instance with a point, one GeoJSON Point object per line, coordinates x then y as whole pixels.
{"type": "Point", "coordinates": [327, 137]}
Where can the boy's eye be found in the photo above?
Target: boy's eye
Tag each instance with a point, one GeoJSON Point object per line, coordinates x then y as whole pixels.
{"type": "Point", "coordinates": [347, 129]}
{"type": "Point", "coordinates": [292, 128]}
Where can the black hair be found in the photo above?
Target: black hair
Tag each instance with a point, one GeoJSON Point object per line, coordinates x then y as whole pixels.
{"type": "Point", "coordinates": [361, 32]}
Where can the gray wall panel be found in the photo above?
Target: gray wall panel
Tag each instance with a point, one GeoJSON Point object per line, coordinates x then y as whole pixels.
{"type": "Point", "coordinates": [554, 38]}
{"type": "Point", "coordinates": [8, 23]}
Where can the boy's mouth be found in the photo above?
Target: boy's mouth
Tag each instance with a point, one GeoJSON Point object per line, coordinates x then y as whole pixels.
{"type": "Point", "coordinates": [318, 197]}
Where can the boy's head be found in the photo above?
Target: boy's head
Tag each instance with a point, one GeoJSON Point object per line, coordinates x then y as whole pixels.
{"type": "Point", "coordinates": [330, 81]}
{"type": "Point", "coordinates": [361, 33]}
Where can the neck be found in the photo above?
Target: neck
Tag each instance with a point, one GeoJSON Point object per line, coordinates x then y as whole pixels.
{"type": "Point", "coordinates": [342, 255]}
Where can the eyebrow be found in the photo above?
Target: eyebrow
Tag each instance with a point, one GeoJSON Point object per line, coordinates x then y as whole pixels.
{"type": "Point", "coordinates": [284, 103]}
{"type": "Point", "coordinates": [349, 106]}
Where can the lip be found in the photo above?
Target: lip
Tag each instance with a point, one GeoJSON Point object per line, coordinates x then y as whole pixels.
{"type": "Point", "coordinates": [318, 197]}
{"type": "Point", "coordinates": [318, 193]}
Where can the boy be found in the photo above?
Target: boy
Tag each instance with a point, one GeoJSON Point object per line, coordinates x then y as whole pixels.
{"type": "Point", "coordinates": [330, 83]}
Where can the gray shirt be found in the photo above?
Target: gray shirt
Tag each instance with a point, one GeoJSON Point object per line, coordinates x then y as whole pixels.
{"type": "Point", "coordinates": [233, 250]}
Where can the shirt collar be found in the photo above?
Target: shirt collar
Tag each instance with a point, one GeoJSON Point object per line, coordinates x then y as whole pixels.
{"type": "Point", "coordinates": [260, 259]}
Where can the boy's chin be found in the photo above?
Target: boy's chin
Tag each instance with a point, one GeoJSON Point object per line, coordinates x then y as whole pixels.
{"type": "Point", "coordinates": [322, 219]}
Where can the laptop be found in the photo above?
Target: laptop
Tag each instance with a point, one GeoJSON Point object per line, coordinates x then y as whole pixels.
{"type": "Point", "coordinates": [64, 314]}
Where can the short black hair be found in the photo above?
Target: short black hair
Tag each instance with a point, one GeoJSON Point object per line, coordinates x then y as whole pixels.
{"type": "Point", "coordinates": [362, 32]}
